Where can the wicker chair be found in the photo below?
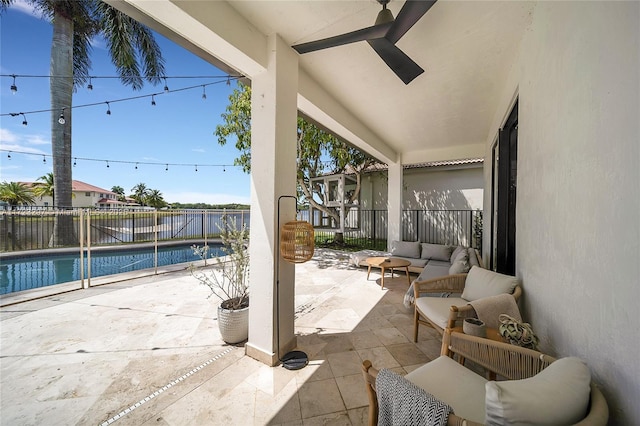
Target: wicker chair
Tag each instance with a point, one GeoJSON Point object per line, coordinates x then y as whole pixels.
{"type": "Point", "coordinates": [505, 360]}
{"type": "Point", "coordinates": [458, 307]}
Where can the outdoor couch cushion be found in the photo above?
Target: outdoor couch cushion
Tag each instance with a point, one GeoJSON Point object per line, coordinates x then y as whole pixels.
{"type": "Point", "coordinates": [461, 263]}
{"type": "Point", "coordinates": [419, 263]}
{"type": "Point", "coordinates": [436, 252]}
{"type": "Point", "coordinates": [454, 254]}
{"type": "Point", "coordinates": [437, 268]}
{"type": "Point", "coordinates": [484, 283]}
{"type": "Point", "coordinates": [406, 249]}
{"type": "Point", "coordinates": [467, 401]}
{"type": "Point", "coordinates": [558, 395]}
{"type": "Point", "coordinates": [437, 308]}
{"type": "Point", "coordinates": [473, 259]}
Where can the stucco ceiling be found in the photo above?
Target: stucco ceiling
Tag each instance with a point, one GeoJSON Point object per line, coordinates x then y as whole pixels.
{"type": "Point", "coordinates": [467, 49]}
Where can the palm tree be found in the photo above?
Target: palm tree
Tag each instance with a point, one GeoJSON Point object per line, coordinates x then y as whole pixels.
{"type": "Point", "coordinates": [120, 191]}
{"type": "Point", "coordinates": [154, 199]}
{"type": "Point", "coordinates": [15, 193]}
{"type": "Point", "coordinates": [133, 51]}
{"type": "Point", "coordinates": [45, 187]}
{"type": "Point", "coordinates": [140, 192]}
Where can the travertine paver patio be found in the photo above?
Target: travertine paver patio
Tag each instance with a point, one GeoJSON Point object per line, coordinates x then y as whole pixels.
{"type": "Point", "coordinates": [147, 351]}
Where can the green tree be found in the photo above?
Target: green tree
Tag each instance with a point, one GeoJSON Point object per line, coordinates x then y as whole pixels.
{"type": "Point", "coordinates": [15, 193]}
{"type": "Point", "coordinates": [154, 199]}
{"type": "Point", "coordinates": [133, 51]}
{"type": "Point", "coordinates": [319, 152]}
{"type": "Point", "coordinates": [120, 191]}
{"type": "Point", "coordinates": [140, 192]}
{"type": "Point", "coordinates": [45, 187]}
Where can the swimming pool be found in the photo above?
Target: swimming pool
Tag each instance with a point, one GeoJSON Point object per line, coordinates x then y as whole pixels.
{"type": "Point", "coordinates": [42, 271]}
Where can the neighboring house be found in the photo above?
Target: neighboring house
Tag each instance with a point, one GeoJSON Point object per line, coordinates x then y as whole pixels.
{"type": "Point", "coordinates": [87, 196]}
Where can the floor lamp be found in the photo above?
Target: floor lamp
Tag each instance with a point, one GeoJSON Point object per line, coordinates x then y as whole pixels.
{"type": "Point", "coordinates": [295, 245]}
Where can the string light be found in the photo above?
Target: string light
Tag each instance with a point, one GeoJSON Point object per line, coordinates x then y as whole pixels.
{"type": "Point", "coordinates": [153, 100]}
{"type": "Point", "coordinates": [204, 93]}
{"type": "Point", "coordinates": [13, 114]}
{"type": "Point", "coordinates": [166, 87]}
{"type": "Point", "coordinates": [228, 80]}
{"type": "Point", "coordinates": [166, 168]}
{"type": "Point", "coordinates": [14, 88]}
{"type": "Point", "coordinates": [108, 108]}
{"type": "Point", "coordinates": [90, 86]}
{"type": "Point", "coordinates": [24, 119]}
{"type": "Point", "coordinates": [61, 119]}
{"type": "Point", "coordinates": [196, 167]}
{"type": "Point", "coordinates": [109, 161]}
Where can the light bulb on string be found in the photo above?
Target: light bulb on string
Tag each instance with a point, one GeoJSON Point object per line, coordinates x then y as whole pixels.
{"type": "Point", "coordinates": [228, 80]}
{"type": "Point", "coordinates": [136, 166]}
{"type": "Point", "coordinates": [108, 108]}
{"type": "Point", "coordinates": [153, 100]}
{"type": "Point", "coordinates": [44, 159]}
{"type": "Point", "coordinates": [224, 169]}
{"type": "Point", "coordinates": [74, 161]}
{"type": "Point", "coordinates": [61, 119]}
{"type": "Point", "coordinates": [166, 168]}
{"type": "Point", "coordinates": [24, 119]}
{"type": "Point", "coordinates": [90, 86]}
{"type": "Point", "coordinates": [107, 164]}
{"type": "Point", "coordinates": [14, 88]}
{"type": "Point", "coordinates": [9, 156]}
{"type": "Point", "coordinates": [196, 167]}
{"type": "Point", "coordinates": [166, 87]}
{"type": "Point", "coordinates": [204, 93]}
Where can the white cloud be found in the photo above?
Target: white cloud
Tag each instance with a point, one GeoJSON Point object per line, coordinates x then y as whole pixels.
{"type": "Point", "coordinates": [198, 150]}
{"type": "Point", "coordinates": [24, 7]}
{"type": "Point", "coordinates": [204, 197]}
{"type": "Point", "coordinates": [11, 141]}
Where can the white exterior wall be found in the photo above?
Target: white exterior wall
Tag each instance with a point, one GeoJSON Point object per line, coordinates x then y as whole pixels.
{"type": "Point", "coordinates": [578, 210]}
{"type": "Point", "coordinates": [424, 189]}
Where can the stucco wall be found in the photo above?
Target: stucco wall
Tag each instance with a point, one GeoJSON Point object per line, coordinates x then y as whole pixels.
{"type": "Point", "coordinates": [429, 189]}
{"type": "Point", "coordinates": [578, 208]}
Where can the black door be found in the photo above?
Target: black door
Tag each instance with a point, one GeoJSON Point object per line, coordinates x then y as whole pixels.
{"type": "Point", "coordinates": [506, 203]}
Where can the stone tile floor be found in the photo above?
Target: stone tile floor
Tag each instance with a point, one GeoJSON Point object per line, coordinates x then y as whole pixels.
{"type": "Point", "coordinates": [147, 352]}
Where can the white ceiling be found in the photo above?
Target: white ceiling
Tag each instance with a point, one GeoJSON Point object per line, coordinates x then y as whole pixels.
{"type": "Point", "coordinates": [467, 49]}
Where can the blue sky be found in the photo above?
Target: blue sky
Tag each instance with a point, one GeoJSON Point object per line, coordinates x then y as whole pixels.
{"type": "Point", "coordinates": [177, 130]}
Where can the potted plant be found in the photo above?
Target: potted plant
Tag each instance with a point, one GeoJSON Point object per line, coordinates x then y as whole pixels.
{"type": "Point", "coordinates": [228, 280]}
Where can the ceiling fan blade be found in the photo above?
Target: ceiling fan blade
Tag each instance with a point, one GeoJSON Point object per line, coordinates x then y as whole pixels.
{"type": "Point", "coordinates": [375, 31]}
{"type": "Point", "coordinates": [411, 12]}
{"type": "Point", "coordinates": [396, 59]}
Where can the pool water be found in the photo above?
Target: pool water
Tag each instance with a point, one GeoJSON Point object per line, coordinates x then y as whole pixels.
{"type": "Point", "coordinates": [36, 272]}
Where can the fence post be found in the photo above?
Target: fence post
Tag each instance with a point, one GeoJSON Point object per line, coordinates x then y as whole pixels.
{"type": "Point", "coordinates": [133, 226]}
{"type": "Point", "coordinates": [88, 249]}
{"type": "Point", "coordinates": [81, 232]}
{"type": "Point", "coordinates": [373, 222]}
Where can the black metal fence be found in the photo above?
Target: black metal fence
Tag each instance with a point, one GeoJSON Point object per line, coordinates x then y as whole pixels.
{"type": "Point", "coordinates": [32, 230]}
{"type": "Point", "coordinates": [452, 227]}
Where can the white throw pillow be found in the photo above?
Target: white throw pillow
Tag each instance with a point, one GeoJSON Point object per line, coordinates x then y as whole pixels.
{"type": "Point", "coordinates": [461, 264]}
{"type": "Point", "coordinates": [406, 249]}
{"type": "Point", "coordinates": [435, 252]}
{"type": "Point", "coordinates": [558, 395]}
{"type": "Point", "coordinates": [484, 283]}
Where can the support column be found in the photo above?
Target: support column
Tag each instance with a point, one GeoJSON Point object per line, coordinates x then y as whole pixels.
{"type": "Point", "coordinates": [273, 173]}
{"type": "Point", "coordinates": [394, 207]}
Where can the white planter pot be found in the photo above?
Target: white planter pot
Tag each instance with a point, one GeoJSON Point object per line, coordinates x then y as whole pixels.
{"type": "Point", "coordinates": [233, 324]}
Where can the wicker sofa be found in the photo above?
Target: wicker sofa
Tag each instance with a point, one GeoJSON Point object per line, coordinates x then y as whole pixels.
{"type": "Point", "coordinates": [526, 393]}
{"type": "Point", "coordinates": [427, 260]}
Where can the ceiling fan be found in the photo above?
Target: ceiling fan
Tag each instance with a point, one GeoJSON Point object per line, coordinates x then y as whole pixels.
{"type": "Point", "coordinates": [382, 37]}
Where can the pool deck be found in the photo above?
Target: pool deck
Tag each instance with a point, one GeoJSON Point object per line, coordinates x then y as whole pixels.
{"type": "Point", "coordinates": [147, 351]}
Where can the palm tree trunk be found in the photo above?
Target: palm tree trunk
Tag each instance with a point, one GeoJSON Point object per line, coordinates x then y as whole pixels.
{"type": "Point", "coordinates": [61, 70]}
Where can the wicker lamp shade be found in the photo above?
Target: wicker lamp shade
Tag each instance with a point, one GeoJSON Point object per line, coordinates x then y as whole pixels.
{"type": "Point", "coordinates": [296, 241]}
